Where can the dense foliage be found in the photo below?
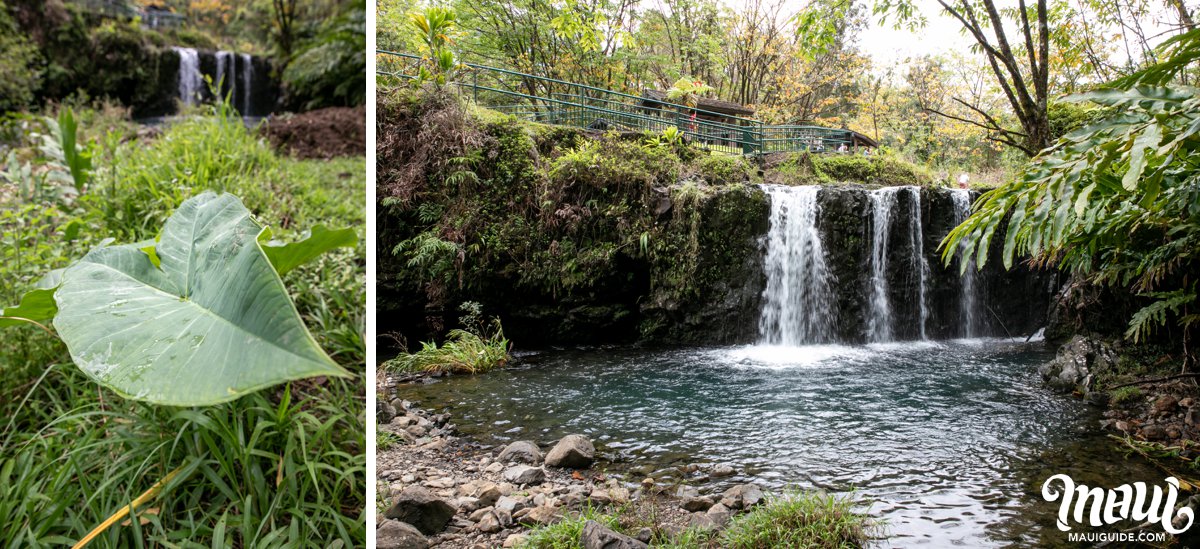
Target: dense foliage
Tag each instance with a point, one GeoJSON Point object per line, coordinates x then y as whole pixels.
{"type": "Point", "coordinates": [331, 69]}
{"type": "Point", "coordinates": [1117, 201]}
{"type": "Point", "coordinates": [981, 110]}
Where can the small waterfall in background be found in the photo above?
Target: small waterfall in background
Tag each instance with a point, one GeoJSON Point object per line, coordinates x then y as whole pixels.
{"type": "Point", "coordinates": [224, 66]}
{"type": "Point", "coordinates": [798, 300]}
{"type": "Point", "coordinates": [920, 263]}
{"type": "Point", "coordinates": [190, 79]}
{"type": "Point", "coordinates": [247, 83]}
{"type": "Point", "coordinates": [969, 300]}
{"type": "Point", "coordinates": [879, 320]}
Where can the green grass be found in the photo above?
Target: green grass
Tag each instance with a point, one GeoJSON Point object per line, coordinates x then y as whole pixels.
{"type": "Point", "coordinates": [282, 467]}
{"type": "Point", "coordinates": [565, 533]}
{"type": "Point", "coordinates": [798, 519]}
{"type": "Point", "coordinates": [463, 352]}
{"type": "Point", "coordinates": [1125, 395]}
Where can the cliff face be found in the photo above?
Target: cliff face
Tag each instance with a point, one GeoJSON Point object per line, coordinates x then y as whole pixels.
{"type": "Point", "coordinates": [577, 238]}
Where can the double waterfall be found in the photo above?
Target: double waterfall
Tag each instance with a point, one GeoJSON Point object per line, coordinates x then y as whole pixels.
{"type": "Point", "coordinates": [232, 76]}
{"type": "Point", "coordinates": [805, 302]}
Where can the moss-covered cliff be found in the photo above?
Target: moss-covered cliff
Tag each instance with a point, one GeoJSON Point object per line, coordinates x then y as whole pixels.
{"type": "Point", "coordinates": [574, 237]}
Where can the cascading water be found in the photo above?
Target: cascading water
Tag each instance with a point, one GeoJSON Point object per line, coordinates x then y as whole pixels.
{"type": "Point", "coordinates": [190, 79]}
{"type": "Point", "coordinates": [920, 263]}
{"type": "Point", "coordinates": [970, 319]}
{"type": "Point", "coordinates": [247, 83]}
{"type": "Point", "coordinates": [879, 319]}
{"type": "Point", "coordinates": [798, 301]}
{"type": "Point", "coordinates": [224, 68]}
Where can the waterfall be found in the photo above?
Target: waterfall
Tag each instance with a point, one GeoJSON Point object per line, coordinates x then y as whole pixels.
{"type": "Point", "coordinates": [969, 316]}
{"type": "Point", "coordinates": [190, 79]}
{"type": "Point", "coordinates": [920, 263]}
{"type": "Point", "coordinates": [224, 66]}
{"type": "Point", "coordinates": [247, 83]}
{"type": "Point", "coordinates": [798, 300]}
{"type": "Point", "coordinates": [879, 320]}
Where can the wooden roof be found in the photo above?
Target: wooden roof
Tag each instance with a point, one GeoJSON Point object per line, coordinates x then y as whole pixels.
{"type": "Point", "coordinates": [654, 98]}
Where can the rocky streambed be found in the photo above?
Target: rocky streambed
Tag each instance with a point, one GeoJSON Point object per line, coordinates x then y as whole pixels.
{"type": "Point", "coordinates": [438, 489]}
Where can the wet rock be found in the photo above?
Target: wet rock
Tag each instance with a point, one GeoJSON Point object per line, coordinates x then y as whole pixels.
{"type": "Point", "coordinates": [521, 451]}
{"type": "Point", "coordinates": [722, 470]}
{"type": "Point", "coordinates": [393, 534]}
{"type": "Point", "coordinates": [742, 496]}
{"type": "Point", "coordinates": [598, 536]}
{"type": "Point", "coordinates": [573, 451]}
{"type": "Point", "coordinates": [524, 474]}
{"type": "Point", "coordinates": [1075, 366]}
{"type": "Point", "coordinates": [416, 506]}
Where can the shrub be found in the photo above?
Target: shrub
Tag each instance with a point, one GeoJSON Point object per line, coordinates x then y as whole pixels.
{"type": "Point", "coordinates": [330, 70]}
{"type": "Point", "coordinates": [800, 519]}
{"type": "Point", "coordinates": [19, 75]}
{"type": "Point", "coordinates": [1125, 395]}
{"type": "Point", "coordinates": [473, 351]}
{"type": "Point", "coordinates": [720, 169]}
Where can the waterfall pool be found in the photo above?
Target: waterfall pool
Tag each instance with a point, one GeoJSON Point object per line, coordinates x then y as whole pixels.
{"type": "Point", "coordinates": [949, 442]}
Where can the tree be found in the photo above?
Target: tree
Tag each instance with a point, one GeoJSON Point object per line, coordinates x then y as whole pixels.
{"type": "Point", "coordinates": [1116, 202]}
{"type": "Point", "coordinates": [283, 20]}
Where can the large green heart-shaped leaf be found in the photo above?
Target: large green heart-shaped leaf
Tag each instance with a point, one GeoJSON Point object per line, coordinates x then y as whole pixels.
{"type": "Point", "coordinates": [211, 322]}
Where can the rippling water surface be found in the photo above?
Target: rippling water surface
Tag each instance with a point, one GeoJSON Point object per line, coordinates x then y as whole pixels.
{"type": "Point", "coordinates": [949, 442]}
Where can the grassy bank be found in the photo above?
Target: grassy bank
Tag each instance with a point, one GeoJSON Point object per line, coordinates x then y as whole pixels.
{"type": "Point", "coordinates": [793, 519]}
{"type": "Point", "coordinates": [284, 466]}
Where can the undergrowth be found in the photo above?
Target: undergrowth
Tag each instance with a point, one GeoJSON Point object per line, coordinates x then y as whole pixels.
{"type": "Point", "coordinates": [281, 467]}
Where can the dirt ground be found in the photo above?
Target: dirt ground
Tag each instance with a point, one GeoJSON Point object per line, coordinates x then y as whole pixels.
{"type": "Point", "coordinates": [319, 134]}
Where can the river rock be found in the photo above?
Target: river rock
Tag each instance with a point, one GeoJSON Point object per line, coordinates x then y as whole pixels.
{"type": "Point", "coordinates": [703, 522]}
{"type": "Point", "coordinates": [1153, 432]}
{"type": "Point", "coordinates": [719, 514]}
{"type": "Point", "coordinates": [524, 474]}
{"type": "Point", "coordinates": [1165, 405]}
{"type": "Point", "coordinates": [416, 506]}
{"type": "Point", "coordinates": [742, 496]}
{"type": "Point", "coordinates": [1075, 366]}
{"type": "Point", "coordinates": [489, 523]}
{"type": "Point", "coordinates": [393, 534]}
{"type": "Point", "coordinates": [540, 515]}
{"type": "Point", "coordinates": [521, 451]}
{"type": "Point", "coordinates": [698, 503]}
{"type": "Point", "coordinates": [515, 540]}
{"type": "Point", "coordinates": [598, 536]}
{"type": "Point", "coordinates": [722, 470]}
{"type": "Point", "coordinates": [384, 412]}
{"type": "Point", "coordinates": [573, 451]}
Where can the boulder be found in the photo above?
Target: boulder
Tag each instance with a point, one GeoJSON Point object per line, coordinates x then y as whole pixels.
{"type": "Point", "coordinates": [598, 536]}
{"type": "Point", "coordinates": [521, 451]}
{"type": "Point", "coordinates": [524, 474]}
{"type": "Point", "coordinates": [393, 534]}
{"type": "Point", "coordinates": [490, 523]}
{"type": "Point", "coordinates": [540, 515]}
{"type": "Point", "coordinates": [384, 412]}
{"type": "Point", "coordinates": [573, 451]}
{"type": "Point", "coordinates": [722, 470]}
{"type": "Point", "coordinates": [1075, 366]}
{"type": "Point", "coordinates": [698, 503]}
{"type": "Point", "coordinates": [488, 493]}
{"type": "Point", "coordinates": [416, 506]}
{"type": "Point", "coordinates": [719, 514]}
{"type": "Point", "coordinates": [742, 496]}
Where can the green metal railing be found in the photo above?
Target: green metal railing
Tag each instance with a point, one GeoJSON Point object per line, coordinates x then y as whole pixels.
{"type": "Point", "coordinates": [552, 101]}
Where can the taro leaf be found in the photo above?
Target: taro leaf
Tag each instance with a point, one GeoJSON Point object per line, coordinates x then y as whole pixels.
{"type": "Point", "coordinates": [287, 256]}
{"type": "Point", "coordinates": [36, 305]}
{"type": "Point", "coordinates": [211, 323]}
